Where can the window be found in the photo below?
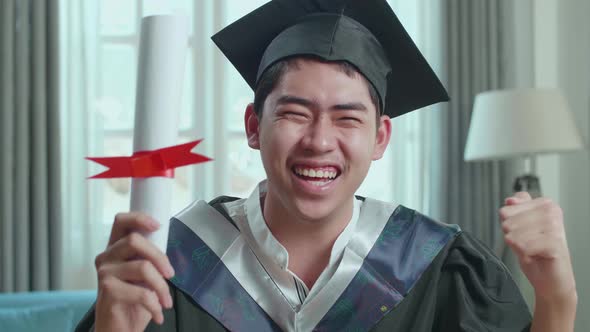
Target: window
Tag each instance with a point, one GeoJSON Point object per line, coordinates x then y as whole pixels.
{"type": "Point", "coordinates": [99, 43]}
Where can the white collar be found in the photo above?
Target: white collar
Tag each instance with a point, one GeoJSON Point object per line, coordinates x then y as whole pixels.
{"type": "Point", "coordinates": [268, 243]}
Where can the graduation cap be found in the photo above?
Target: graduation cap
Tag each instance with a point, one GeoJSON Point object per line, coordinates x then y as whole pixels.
{"type": "Point", "coordinates": [365, 33]}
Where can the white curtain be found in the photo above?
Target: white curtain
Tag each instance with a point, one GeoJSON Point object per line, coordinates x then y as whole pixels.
{"type": "Point", "coordinates": [78, 52]}
{"type": "Point", "coordinates": [97, 41]}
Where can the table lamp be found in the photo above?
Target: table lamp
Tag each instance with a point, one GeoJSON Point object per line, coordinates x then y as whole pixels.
{"type": "Point", "coordinates": [521, 123]}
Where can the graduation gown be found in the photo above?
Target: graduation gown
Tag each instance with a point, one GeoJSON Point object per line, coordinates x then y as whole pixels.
{"type": "Point", "coordinates": [416, 275]}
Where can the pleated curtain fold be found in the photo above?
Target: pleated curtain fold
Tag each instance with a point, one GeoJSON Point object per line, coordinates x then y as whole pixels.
{"type": "Point", "coordinates": [476, 57]}
{"type": "Point", "coordinates": [30, 207]}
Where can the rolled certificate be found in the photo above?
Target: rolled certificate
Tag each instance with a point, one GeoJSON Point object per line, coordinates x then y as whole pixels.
{"type": "Point", "coordinates": [160, 72]}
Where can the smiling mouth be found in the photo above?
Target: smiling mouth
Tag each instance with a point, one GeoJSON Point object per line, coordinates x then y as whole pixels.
{"type": "Point", "coordinates": [316, 176]}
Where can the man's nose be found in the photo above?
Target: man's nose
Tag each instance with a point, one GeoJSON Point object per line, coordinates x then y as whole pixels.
{"type": "Point", "coordinates": [320, 136]}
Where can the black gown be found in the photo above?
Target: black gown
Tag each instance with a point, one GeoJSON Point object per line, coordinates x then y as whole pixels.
{"type": "Point", "coordinates": [464, 287]}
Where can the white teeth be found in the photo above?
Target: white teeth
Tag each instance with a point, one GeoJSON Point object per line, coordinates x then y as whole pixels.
{"type": "Point", "coordinates": [308, 172]}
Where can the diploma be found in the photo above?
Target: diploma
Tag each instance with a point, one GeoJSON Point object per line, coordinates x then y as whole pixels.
{"type": "Point", "coordinates": [160, 72]}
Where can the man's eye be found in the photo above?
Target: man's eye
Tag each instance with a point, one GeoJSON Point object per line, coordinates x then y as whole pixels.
{"type": "Point", "coordinates": [350, 119]}
{"type": "Point", "coordinates": [294, 114]}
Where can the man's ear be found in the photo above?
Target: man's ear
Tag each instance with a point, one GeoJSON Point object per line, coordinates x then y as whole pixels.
{"type": "Point", "coordinates": [383, 136]}
{"type": "Point", "coordinates": [252, 127]}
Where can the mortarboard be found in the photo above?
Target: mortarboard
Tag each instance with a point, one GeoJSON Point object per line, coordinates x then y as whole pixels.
{"type": "Point", "coordinates": [365, 33]}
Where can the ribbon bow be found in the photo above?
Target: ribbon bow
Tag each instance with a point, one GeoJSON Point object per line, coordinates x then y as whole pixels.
{"type": "Point", "coordinates": [145, 164]}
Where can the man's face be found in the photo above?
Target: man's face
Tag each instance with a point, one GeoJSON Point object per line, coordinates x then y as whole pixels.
{"type": "Point", "coordinates": [317, 138]}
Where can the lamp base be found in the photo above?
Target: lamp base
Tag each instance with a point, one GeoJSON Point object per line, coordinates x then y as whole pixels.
{"type": "Point", "coordinates": [529, 183]}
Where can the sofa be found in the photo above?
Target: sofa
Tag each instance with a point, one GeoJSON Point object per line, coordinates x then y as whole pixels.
{"type": "Point", "coordinates": [44, 311]}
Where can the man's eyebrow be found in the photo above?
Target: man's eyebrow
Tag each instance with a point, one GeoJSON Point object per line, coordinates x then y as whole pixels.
{"type": "Point", "coordinates": [290, 99]}
{"type": "Point", "coordinates": [357, 106]}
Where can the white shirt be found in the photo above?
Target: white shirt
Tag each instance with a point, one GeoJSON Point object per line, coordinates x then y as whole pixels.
{"type": "Point", "coordinates": [273, 255]}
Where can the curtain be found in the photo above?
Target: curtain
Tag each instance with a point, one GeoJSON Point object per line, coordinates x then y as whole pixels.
{"type": "Point", "coordinates": [477, 54]}
{"type": "Point", "coordinates": [83, 235]}
{"type": "Point", "coordinates": [30, 222]}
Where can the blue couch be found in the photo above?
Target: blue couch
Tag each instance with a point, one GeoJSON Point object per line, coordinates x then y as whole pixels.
{"type": "Point", "coordinates": [44, 311]}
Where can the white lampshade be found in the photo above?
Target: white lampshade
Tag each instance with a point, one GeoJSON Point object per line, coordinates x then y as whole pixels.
{"type": "Point", "coordinates": [509, 123]}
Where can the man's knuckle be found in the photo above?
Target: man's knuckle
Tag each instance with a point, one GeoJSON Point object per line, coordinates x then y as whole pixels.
{"type": "Point", "coordinates": [503, 212]}
{"type": "Point", "coordinates": [102, 273]}
{"type": "Point", "coordinates": [98, 260]}
{"type": "Point", "coordinates": [120, 217]}
{"type": "Point", "coordinates": [162, 287]}
{"type": "Point", "coordinates": [509, 239]}
{"type": "Point", "coordinates": [139, 218]}
{"type": "Point", "coordinates": [552, 210]}
{"type": "Point", "coordinates": [145, 267]}
{"type": "Point", "coordinates": [147, 296]}
{"type": "Point", "coordinates": [134, 240]}
{"type": "Point", "coordinates": [546, 208]}
{"type": "Point", "coordinates": [545, 200]}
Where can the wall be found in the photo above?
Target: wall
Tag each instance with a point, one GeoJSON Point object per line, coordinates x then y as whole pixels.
{"type": "Point", "coordinates": [573, 73]}
{"type": "Point", "coordinates": [562, 59]}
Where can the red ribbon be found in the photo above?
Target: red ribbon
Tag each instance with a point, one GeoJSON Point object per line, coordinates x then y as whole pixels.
{"type": "Point", "coordinates": [145, 164]}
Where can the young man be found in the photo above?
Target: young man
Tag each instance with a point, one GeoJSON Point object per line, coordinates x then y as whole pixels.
{"type": "Point", "coordinates": [303, 253]}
